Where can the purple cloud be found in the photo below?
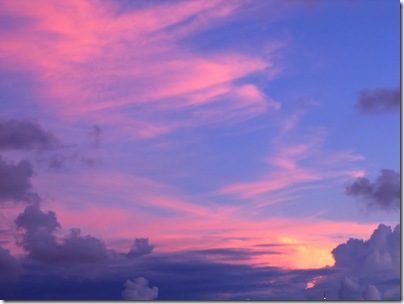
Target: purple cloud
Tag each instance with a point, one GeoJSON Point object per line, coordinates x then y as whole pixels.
{"type": "Point", "coordinates": [15, 180]}
{"type": "Point", "coordinates": [42, 245]}
{"type": "Point", "coordinates": [140, 247]}
{"type": "Point", "coordinates": [380, 252]}
{"type": "Point", "coordinates": [25, 134]}
{"type": "Point", "coordinates": [139, 289]}
{"type": "Point", "coordinates": [379, 100]}
{"type": "Point", "coordinates": [10, 267]}
{"type": "Point", "coordinates": [383, 193]}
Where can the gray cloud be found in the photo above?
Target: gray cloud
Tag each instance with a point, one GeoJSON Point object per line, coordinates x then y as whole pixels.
{"type": "Point", "coordinates": [10, 267]}
{"type": "Point", "coordinates": [379, 100]}
{"type": "Point", "coordinates": [140, 247]}
{"type": "Point", "coordinates": [25, 134]}
{"type": "Point", "coordinates": [139, 289]}
{"type": "Point", "coordinates": [383, 193]}
{"type": "Point", "coordinates": [15, 180]}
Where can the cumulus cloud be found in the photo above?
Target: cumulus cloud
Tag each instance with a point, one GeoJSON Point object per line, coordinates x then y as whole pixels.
{"type": "Point", "coordinates": [25, 134]}
{"type": "Point", "coordinates": [15, 180]}
{"type": "Point", "coordinates": [139, 289]}
{"type": "Point", "coordinates": [379, 100]}
{"type": "Point", "coordinates": [383, 193]}
{"type": "Point", "coordinates": [140, 247]}
{"type": "Point", "coordinates": [42, 245]}
{"type": "Point", "coordinates": [10, 267]}
{"type": "Point", "coordinates": [33, 219]}
{"type": "Point", "coordinates": [380, 252]}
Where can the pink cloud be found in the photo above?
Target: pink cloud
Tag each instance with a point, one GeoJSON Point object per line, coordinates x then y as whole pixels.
{"type": "Point", "coordinates": [90, 60]}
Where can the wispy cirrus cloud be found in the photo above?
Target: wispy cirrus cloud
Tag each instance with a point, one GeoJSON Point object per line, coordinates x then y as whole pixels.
{"type": "Point", "coordinates": [95, 59]}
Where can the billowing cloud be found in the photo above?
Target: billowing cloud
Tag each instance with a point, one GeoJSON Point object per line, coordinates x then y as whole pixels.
{"type": "Point", "coordinates": [42, 245]}
{"type": "Point", "coordinates": [379, 100]}
{"type": "Point", "coordinates": [140, 247]}
{"type": "Point", "coordinates": [139, 289]}
{"type": "Point", "coordinates": [371, 293]}
{"type": "Point", "coordinates": [15, 180]}
{"type": "Point", "coordinates": [10, 267]}
{"type": "Point", "coordinates": [380, 252]}
{"type": "Point", "coordinates": [383, 193]}
{"type": "Point", "coordinates": [25, 134]}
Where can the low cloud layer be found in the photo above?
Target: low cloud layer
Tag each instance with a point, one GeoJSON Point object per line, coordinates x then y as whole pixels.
{"type": "Point", "coordinates": [379, 100]}
{"type": "Point", "coordinates": [383, 193]}
{"type": "Point", "coordinates": [25, 134]}
{"type": "Point", "coordinates": [15, 180]}
{"type": "Point", "coordinates": [139, 289]}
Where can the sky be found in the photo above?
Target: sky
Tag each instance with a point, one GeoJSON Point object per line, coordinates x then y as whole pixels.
{"type": "Point", "coordinates": [200, 150]}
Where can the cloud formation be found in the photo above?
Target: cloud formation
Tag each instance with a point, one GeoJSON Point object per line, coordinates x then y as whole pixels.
{"type": "Point", "coordinates": [383, 193]}
{"type": "Point", "coordinates": [15, 180]}
{"type": "Point", "coordinates": [139, 289]}
{"type": "Point", "coordinates": [25, 134]}
{"type": "Point", "coordinates": [380, 252]}
{"type": "Point", "coordinates": [379, 100]}
{"type": "Point", "coordinates": [140, 247]}
{"type": "Point", "coordinates": [42, 245]}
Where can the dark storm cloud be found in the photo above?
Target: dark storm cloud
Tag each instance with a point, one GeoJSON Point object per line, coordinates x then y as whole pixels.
{"type": "Point", "coordinates": [10, 267]}
{"type": "Point", "coordinates": [379, 100]}
{"type": "Point", "coordinates": [15, 180]}
{"type": "Point", "coordinates": [383, 193]}
{"type": "Point", "coordinates": [42, 245]}
{"type": "Point", "coordinates": [25, 134]}
{"type": "Point", "coordinates": [140, 247]}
